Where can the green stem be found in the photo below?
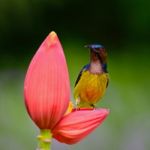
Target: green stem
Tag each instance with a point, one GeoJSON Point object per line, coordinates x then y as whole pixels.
{"type": "Point", "coordinates": [44, 140]}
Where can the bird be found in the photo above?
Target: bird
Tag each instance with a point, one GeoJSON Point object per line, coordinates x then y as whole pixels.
{"type": "Point", "coordinates": [93, 78]}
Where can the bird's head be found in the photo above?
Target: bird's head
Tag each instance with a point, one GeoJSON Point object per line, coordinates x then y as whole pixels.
{"type": "Point", "coordinates": [98, 52]}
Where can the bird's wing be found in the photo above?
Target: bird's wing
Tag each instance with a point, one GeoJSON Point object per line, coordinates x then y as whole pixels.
{"type": "Point", "coordinates": [86, 67]}
{"type": "Point", "coordinates": [107, 82]}
{"type": "Point", "coordinates": [104, 66]}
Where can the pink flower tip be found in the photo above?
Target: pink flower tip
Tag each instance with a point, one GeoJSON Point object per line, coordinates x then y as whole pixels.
{"type": "Point", "coordinates": [52, 38]}
{"type": "Point", "coordinates": [78, 124]}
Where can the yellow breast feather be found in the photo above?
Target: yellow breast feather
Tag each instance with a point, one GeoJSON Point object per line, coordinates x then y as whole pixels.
{"type": "Point", "coordinates": [91, 87]}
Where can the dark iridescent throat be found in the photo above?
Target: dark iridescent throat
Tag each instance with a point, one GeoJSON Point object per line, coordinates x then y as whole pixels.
{"type": "Point", "coordinates": [97, 62]}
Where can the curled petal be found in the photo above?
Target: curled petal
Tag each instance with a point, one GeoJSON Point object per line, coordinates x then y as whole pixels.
{"type": "Point", "coordinates": [46, 86]}
{"type": "Point", "coordinates": [78, 124]}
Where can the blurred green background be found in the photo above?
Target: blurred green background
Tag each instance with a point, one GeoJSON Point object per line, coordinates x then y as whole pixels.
{"type": "Point", "coordinates": [122, 26]}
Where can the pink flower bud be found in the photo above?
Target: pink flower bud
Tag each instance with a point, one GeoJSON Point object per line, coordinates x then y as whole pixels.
{"type": "Point", "coordinates": [78, 124]}
{"type": "Point", "coordinates": [46, 86]}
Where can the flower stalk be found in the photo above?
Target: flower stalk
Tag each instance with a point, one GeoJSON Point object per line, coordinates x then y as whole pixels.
{"type": "Point", "coordinates": [44, 140]}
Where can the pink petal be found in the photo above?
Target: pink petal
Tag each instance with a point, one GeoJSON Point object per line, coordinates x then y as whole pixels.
{"type": "Point", "coordinates": [78, 124]}
{"type": "Point", "coordinates": [47, 87]}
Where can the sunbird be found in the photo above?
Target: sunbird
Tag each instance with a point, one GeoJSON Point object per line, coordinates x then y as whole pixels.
{"type": "Point", "coordinates": [93, 78]}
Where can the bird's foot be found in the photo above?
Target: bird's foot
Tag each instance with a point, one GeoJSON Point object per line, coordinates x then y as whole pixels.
{"type": "Point", "coordinates": [93, 106]}
{"type": "Point", "coordinates": [77, 102]}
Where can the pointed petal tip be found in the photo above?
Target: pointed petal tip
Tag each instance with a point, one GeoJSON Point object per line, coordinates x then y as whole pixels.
{"type": "Point", "coordinates": [52, 34]}
{"type": "Point", "coordinates": [105, 110]}
{"type": "Point", "coordinates": [52, 38]}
